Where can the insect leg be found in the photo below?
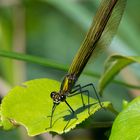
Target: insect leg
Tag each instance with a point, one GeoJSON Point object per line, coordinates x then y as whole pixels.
{"type": "Point", "coordinates": [72, 93]}
{"type": "Point", "coordinates": [69, 106]}
{"type": "Point", "coordinates": [53, 109]}
{"type": "Point", "coordinates": [92, 85]}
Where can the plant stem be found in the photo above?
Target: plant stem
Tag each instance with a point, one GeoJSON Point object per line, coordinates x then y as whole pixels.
{"type": "Point", "coordinates": [52, 64]}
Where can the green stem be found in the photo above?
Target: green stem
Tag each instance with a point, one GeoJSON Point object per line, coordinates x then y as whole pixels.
{"type": "Point", "coordinates": [33, 59]}
{"type": "Point", "coordinates": [102, 124]}
{"type": "Point", "coordinates": [89, 73]}
{"type": "Point", "coordinates": [112, 109]}
{"type": "Point", "coordinates": [50, 63]}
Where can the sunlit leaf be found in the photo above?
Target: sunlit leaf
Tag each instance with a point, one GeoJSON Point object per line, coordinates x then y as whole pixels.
{"type": "Point", "coordinates": [30, 105]}
{"type": "Point", "coordinates": [0, 118]}
{"type": "Point", "coordinates": [127, 123]}
{"type": "Point", "coordinates": [125, 104]}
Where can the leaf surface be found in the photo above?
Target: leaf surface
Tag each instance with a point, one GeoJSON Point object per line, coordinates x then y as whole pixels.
{"type": "Point", "coordinates": [30, 105]}
{"type": "Point", "coordinates": [127, 123]}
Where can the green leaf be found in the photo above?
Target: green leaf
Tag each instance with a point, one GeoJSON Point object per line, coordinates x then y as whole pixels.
{"type": "Point", "coordinates": [113, 66]}
{"type": "Point", "coordinates": [127, 123]}
{"type": "Point", "coordinates": [30, 105]}
{"type": "Point", "coordinates": [125, 104]}
{"type": "Point", "coordinates": [0, 117]}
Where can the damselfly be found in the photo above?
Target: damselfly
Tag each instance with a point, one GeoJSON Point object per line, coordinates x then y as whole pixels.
{"type": "Point", "coordinates": [100, 34]}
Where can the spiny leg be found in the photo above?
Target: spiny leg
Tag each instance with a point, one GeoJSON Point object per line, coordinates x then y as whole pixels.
{"type": "Point", "coordinates": [80, 92]}
{"type": "Point", "coordinates": [92, 85]}
{"type": "Point", "coordinates": [86, 91]}
{"type": "Point", "coordinates": [69, 106]}
{"type": "Point", "coordinates": [80, 88]}
{"type": "Point", "coordinates": [53, 109]}
{"type": "Point", "coordinates": [72, 115]}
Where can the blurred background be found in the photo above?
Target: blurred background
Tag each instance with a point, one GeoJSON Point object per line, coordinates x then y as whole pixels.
{"type": "Point", "coordinates": [54, 29]}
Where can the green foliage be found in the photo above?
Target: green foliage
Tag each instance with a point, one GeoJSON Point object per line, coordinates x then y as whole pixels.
{"type": "Point", "coordinates": [125, 103]}
{"type": "Point", "coordinates": [30, 105]}
{"type": "Point", "coordinates": [12, 135]}
{"type": "Point", "coordinates": [113, 66]}
{"type": "Point", "coordinates": [0, 117]}
{"type": "Point", "coordinates": [127, 124]}
{"type": "Point", "coordinates": [55, 24]}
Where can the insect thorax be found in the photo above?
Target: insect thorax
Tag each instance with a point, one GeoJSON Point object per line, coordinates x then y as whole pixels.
{"type": "Point", "coordinates": [68, 83]}
{"type": "Point", "coordinates": [66, 87]}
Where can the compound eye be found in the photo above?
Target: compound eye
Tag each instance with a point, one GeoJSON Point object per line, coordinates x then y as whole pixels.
{"type": "Point", "coordinates": [63, 97]}
{"type": "Point", "coordinates": [52, 94]}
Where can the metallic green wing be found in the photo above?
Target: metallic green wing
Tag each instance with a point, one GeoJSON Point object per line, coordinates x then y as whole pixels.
{"type": "Point", "coordinates": [100, 34]}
